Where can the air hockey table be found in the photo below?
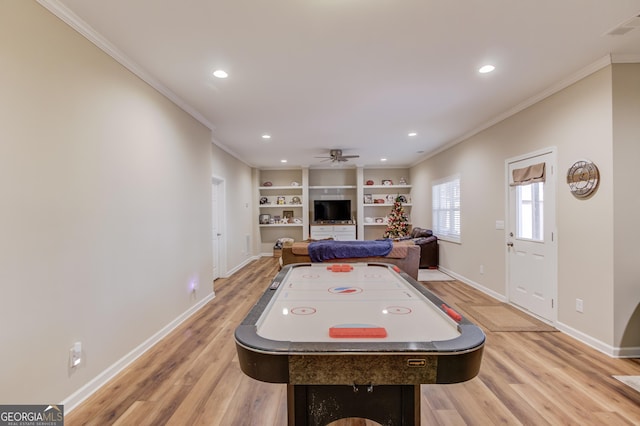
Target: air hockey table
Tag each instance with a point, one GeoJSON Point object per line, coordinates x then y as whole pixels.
{"type": "Point", "coordinates": [355, 340]}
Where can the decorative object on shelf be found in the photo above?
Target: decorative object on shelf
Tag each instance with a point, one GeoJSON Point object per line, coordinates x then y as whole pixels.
{"type": "Point", "coordinates": [378, 201]}
{"type": "Point", "coordinates": [403, 181]}
{"type": "Point", "coordinates": [267, 183]}
{"type": "Point", "coordinates": [583, 178]}
{"type": "Point", "coordinates": [368, 199]}
{"type": "Point", "coordinates": [276, 219]}
{"type": "Point", "coordinates": [387, 182]}
{"type": "Point", "coordinates": [389, 199]}
{"type": "Point", "coordinates": [294, 183]}
{"type": "Point", "coordinates": [368, 220]}
{"type": "Point", "coordinates": [287, 214]}
{"type": "Point", "coordinates": [297, 220]}
{"type": "Point", "coordinates": [264, 200]}
{"type": "Point", "coordinates": [369, 182]}
{"type": "Point", "coordinates": [296, 200]}
{"type": "Point", "coordinates": [284, 220]}
{"type": "Point", "coordinates": [402, 198]}
{"type": "Point", "coordinates": [379, 220]}
{"type": "Point", "coordinates": [264, 219]}
{"type": "Point", "coordinates": [281, 200]}
{"type": "Point", "coordinates": [397, 222]}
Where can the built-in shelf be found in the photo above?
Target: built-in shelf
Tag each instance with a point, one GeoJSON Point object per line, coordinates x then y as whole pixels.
{"type": "Point", "coordinates": [282, 225]}
{"type": "Point", "coordinates": [385, 205]}
{"type": "Point", "coordinates": [280, 187]}
{"type": "Point", "coordinates": [334, 187]}
{"type": "Point", "coordinates": [387, 186]}
{"type": "Point", "coordinates": [320, 184]}
{"type": "Point", "coordinates": [262, 206]}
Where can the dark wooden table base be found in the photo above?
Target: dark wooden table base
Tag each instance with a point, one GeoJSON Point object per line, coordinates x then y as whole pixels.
{"type": "Point", "coordinates": [319, 405]}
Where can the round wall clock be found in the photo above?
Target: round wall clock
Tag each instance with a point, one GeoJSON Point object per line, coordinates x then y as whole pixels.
{"type": "Point", "coordinates": [583, 178]}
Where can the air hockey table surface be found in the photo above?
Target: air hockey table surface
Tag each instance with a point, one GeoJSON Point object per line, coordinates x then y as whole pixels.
{"type": "Point", "coordinates": [322, 328]}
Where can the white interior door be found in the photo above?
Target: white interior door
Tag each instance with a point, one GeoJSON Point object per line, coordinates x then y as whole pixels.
{"type": "Point", "coordinates": [531, 242]}
{"type": "Point", "coordinates": [217, 222]}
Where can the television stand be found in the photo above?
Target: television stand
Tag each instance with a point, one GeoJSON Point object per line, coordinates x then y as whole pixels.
{"type": "Point", "coordinates": [333, 222]}
{"type": "Point", "coordinates": [337, 230]}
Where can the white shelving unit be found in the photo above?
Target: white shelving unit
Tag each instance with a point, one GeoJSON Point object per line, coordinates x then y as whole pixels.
{"type": "Point", "coordinates": [327, 184]}
{"type": "Point", "coordinates": [371, 216]}
{"type": "Point", "coordinates": [277, 199]}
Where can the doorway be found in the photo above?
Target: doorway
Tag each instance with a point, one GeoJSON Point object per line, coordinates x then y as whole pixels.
{"type": "Point", "coordinates": [217, 224]}
{"type": "Point", "coordinates": [531, 240]}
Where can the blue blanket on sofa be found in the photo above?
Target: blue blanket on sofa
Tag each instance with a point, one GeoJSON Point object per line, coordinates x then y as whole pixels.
{"type": "Point", "coordinates": [319, 251]}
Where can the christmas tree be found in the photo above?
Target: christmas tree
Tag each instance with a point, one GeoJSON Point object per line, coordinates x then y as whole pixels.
{"type": "Point", "coordinates": [397, 222]}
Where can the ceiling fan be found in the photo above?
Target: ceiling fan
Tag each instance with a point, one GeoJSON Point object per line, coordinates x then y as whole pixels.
{"type": "Point", "coordinates": [335, 155]}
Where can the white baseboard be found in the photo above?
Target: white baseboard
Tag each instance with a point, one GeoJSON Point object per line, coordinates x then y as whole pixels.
{"type": "Point", "coordinates": [240, 266]}
{"type": "Point", "coordinates": [73, 400]}
{"type": "Point", "coordinates": [614, 352]}
{"type": "Point", "coordinates": [475, 285]}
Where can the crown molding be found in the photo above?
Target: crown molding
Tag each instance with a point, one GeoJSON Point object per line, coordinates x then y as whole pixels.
{"type": "Point", "coordinates": [228, 150]}
{"type": "Point", "coordinates": [562, 84]}
{"type": "Point", "coordinates": [71, 19]}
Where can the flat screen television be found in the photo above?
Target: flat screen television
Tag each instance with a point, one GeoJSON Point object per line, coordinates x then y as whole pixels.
{"type": "Point", "coordinates": [331, 210]}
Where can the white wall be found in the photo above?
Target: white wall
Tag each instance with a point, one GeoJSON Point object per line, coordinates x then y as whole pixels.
{"type": "Point", "coordinates": [105, 219]}
{"type": "Point", "coordinates": [578, 121]}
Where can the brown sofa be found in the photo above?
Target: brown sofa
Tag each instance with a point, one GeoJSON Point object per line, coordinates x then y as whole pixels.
{"type": "Point", "coordinates": [429, 249]}
{"type": "Point", "coordinates": [404, 254]}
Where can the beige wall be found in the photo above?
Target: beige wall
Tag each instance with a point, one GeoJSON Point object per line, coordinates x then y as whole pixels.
{"type": "Point", "coordinates": [105, 218]}
{"type": "Point", "coordinates": [626, 154]}
{"type": "Point", "coordinates": [578, 122]}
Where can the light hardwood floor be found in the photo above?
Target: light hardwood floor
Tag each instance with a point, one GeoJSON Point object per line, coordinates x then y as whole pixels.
{"type": "Point", "coordinates": [192, 377]}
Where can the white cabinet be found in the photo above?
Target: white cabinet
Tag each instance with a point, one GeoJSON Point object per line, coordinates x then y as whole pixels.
{"type": "Point", "coordinates": [337, 232]}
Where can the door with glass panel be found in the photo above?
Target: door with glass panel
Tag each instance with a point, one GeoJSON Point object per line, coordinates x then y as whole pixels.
{"type": "Point", "coordinates": [531, 239]}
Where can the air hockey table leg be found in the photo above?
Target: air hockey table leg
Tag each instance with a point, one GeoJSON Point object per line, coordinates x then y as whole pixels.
{"type": "Point", "coordinates": [319, 405]}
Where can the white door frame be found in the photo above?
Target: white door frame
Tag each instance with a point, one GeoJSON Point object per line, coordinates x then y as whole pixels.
{"type": "Point", "coordinates": [554, 239]}
{"type": "Point", "coordinates": [218, 227]}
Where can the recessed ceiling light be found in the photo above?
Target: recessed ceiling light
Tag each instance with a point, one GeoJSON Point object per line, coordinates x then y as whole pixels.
{"type": "Point", "coordinates": [413, 134]}
{"type": "Point", "coordinates": [220, 74]}
{"type": "Point", "coordinates": [265, 136]}
{"type": "Point", "coordinates": [283, 161]}
{"type": "Point", "coordinates": [486, 68]}
{"type": "Point", "coordinates": [383, 159]}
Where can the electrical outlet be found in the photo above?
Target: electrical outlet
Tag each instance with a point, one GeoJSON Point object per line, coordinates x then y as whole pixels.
{"type": "Point", "coordinates": [579, 305]}
{"type": "Point", "coordinates": [75, 355]}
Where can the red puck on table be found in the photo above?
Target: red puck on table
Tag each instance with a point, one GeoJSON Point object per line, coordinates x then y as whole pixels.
{"type": "Point", "coordinates": [336, 267]}
{"type": "Point", "coordinates": [357, 330]}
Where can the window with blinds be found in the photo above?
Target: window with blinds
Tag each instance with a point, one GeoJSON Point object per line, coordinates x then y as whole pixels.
{"type": "Point", "coordinates": [445, 195]}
